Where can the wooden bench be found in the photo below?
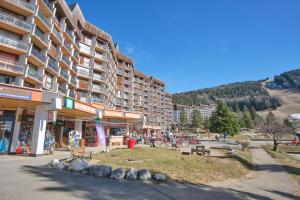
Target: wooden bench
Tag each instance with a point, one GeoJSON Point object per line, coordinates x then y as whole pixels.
{"type": "Point", "coordinates": [81, 152]}
{"type": "Point", "coordinates": [200, 150]}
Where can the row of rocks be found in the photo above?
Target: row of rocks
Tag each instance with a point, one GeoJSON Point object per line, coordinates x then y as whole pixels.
{"type": "Point", "coordinates": [80, 165]}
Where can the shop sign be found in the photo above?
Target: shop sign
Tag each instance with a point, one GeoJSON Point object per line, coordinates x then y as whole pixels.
{"type": "Point", "coordinates": [60, 123]}
{"type": "Point", "coordinates": [15, 93]}
{"type": "Point", "coordinates": [84, 107]}
{"type": "Point", "coordinates": [69, 103]}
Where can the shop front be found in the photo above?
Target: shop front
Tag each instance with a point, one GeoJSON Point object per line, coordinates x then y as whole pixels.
{"type": "Point", "coordinates": [7, 120]}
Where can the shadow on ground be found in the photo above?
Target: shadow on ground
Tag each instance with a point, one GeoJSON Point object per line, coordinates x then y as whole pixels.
{"type": "Point", "coordinates": [76, 185]}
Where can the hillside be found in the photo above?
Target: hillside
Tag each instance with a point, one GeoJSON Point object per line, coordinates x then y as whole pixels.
{"type": "Point", "coordinates": [287, 80]}
{"type": "Point", "coordinates": [290, 101]}
{"type": "Point", "coordinates": [249, 93]}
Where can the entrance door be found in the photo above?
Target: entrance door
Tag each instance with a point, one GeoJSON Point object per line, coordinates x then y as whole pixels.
{"type": "Point", "coordinates": [6, 130]}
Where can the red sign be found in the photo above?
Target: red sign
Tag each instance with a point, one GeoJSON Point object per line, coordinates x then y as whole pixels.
{"type": "Point", "coordinates": [84, 107]}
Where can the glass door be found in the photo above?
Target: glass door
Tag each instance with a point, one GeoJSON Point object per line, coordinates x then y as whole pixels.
{"type": "Point", "coordinates": [6, 127]}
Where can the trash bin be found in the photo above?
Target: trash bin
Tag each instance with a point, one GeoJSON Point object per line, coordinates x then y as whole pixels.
{"type": "Point", "coordinates": [131, 143]}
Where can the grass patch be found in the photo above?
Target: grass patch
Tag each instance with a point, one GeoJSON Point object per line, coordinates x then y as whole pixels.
{"type": "Point", "coordinates": [193, 169]}
{"type": "Point", "coordinates": [291, 164]}
{"type": "Point", "coordinates": [244, 157]}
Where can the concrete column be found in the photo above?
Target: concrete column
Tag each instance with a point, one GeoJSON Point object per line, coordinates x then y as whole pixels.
{"type": "Point", "coordinates": [78, 127]}
{"type": "Point", "coordinates": [39, 128]}
{"type": "Point", "coordinates": [15, 138]}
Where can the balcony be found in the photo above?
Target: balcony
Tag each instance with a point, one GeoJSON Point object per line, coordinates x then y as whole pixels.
{"type": "Point", "coordinates": [12, 45]}
{"type": "Point", "coordinates": [98, 88]}
{"type": "Point", "coordinates": [83, 85]}
{"type": "Point", "coordinates": [98, 100]}
{"type": "Point", "coordinates": [64, 74]}
{"type": "Point", "coordinates": [97, 77]}
{"type": "Point", "coordinates": [87, 52]}
{"type": "Point", "coordinates": [119, 102]}
{"type": "Point", "coordinates": [38, 58]}
{"type": "Point", "coordinates": [40, 39]}
{"type": "Point", "coordinates": [34, 75]}
{"type": "Point", "coordinates": [100, 46]}
{"type": "Point", "coordinates": [43, 22]}
{"type": "Point", "coordinates": [68, 47]}
{"type": "Point", "coordinates": [19, 6]}
{"type": "Point", "coordinates": [127, 82]}
{"type": "Point", "coordinates": [46, 7]}
{"type": "Point", "coordinates": [100, 57]}
{"type": "Point", "coordinates": [75, 57]}
{"type": "Point", "coordinates": [84, 73]}
{"type": "Point", "coordinates": [73, 81]}
{"type": "Point", "coordinates": [72, 94]}
{"type": "Point", "coordinates": [76, 45]}
{"type": "Point", "coordinates": [66, 61]}
{"type": "Point", "coordinates": [68, 34]}
{"type": "Point", "coordinates": [10, 68]}
{"type": "Point", "coordinates": [120, 71]}
{"type": "Point", "coordinates": [53, 66]}
{"type": "Point", "coordinates": [14, 24]}
{"type": "Point", "coordinates": [100, 67]}
{"type": "Point", "coordinates": [62, 89]}
{"type": "Point", "coordinates": [74, 68]}
{"type": "Point", "coordinates": [56, 36]}
{"type": "Point", "coordinates": [127, 67]}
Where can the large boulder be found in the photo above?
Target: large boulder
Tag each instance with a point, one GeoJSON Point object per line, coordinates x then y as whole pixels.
{"type": "Point", "coordinates": [100, 170]}
{"type": "Point", "coordinates": [144, 174]}
{"type": "Point", "coordinates": [54, 163]}
{"type": "Point", "coordinates": [118, 173]}
{"type": "Point", "coordinates": [159, 177]}
{"type": "Point", "coordinates": [131, 174]}
{"type": "Point", "coordinates": [78, 164]}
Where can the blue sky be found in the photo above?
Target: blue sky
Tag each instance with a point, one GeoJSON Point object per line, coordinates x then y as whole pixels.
{"type": "Point", "coordinates": [192, 44]}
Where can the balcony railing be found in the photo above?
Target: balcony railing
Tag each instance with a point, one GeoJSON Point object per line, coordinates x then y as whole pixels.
{"type": "Point", "coordinates": [84, 73]}
{"type": "Point", "coordinates": [11, 67]}
{"type": "Point", "coordinates": [58, 35]}
{"type": "Point", "coordinates": [119, 102]}
{"type": "Point", "coordinates": [53, 66]}
{"type": "Point", "coordinates": [101, 67]}
{"type": "Point", "coordinates": [72, 94]}
{"type": "Point", "coordinates": [37, 54]}
{"type": "Point", "coordinates": [13, 42]}
{"type": "Point", "coordinates": [44, 19]}
{"type": "Point", "coordinates": [101, 46]}
{"type": "Point", "coordinates": [68, 47]}
{"type": "Point", "coordinates": [96, 99]}
{"type": "Point", "coordinates": [64, 74]}
{"type": "Point", "coordinates": [128, 82]}
{"type": "Point", "coordinates": [69, 32]}
{"type": "Point", "coordinates": [40, 35]}
{"type": "Point", "coordinates": [73, 80]}
{"type": "Point", "coordinates": [74, 67]}
{"type": "Point", "coordinates": [76, 55]}
{"type": "Point", "coordinates": [62, 89]}
{"type": "Point", "coordinates": [98, 77]}
{"type": "Point", "coordinates": [98, 88]}
{"type": "Point", "coordinates": [49, 5]}
{"type": "Point", "coordinates": [100, 56]}
{"type": "Point", "coordinates": [66, 60]}
{"type": "Point", "coordinates": [83, 84]}
{"type": "Point", "coordinates": [120, 71]}
{"type": "Point", "coordinates": [15, 22]}
{"type": "Point", "coordinates": [23, 4]}
{"type": "Point", "coordinates": [34, 74]}
{"type": "Point", "coordinates": [77, 44]}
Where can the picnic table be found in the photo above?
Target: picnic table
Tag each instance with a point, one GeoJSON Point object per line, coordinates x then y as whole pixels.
{"type": "Point", "coordinates": [198, 149]}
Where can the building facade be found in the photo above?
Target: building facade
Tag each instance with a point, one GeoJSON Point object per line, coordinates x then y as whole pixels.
{"type": "Point", "coordinates": [205, 111]}
{"type": "Point", "coordinates": [55, 63]}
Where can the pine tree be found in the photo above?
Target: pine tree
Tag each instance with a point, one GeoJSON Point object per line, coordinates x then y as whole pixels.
{"type": "Point", "coordinates": [196, 119]}
{"type": "Point", "coordinates": [224, 120]}
{"type": "Point", "coordinates": [247, 119]}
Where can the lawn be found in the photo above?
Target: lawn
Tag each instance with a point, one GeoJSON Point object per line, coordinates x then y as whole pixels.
{"type": "Point", "coordinates": [182, 168]}
{"type": "Point", "coordinates": [291, 164]}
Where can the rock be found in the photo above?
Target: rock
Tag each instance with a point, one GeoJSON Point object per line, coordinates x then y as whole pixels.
{"type": "Point", "coordinates": [78, 164]}
{"type": "Point", "coordinates": [131, 174]}
{"type": "Point", "coordinates": [144, 174]}
{"type": "Point", "coordinates": [100, 170]}
{"type": "Point", "coordinates": [54, 163]}
{"type": "Point", "coordinates": [159, 177]}
{"type": "Point", "coordinates": [118, 173]}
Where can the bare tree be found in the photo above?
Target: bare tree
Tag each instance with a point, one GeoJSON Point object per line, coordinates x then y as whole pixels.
{"type": "Point", "coordinates": [275, 129]}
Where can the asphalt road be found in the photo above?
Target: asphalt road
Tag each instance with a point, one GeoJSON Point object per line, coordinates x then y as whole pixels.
{"type": "Point", "coordinates": [28, 178]}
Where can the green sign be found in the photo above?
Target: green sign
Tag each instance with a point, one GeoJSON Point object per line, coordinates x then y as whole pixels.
{"type": "Point", "coordinates": [69, 103]}
{"type": "Point", "coordinates": [98, 120]}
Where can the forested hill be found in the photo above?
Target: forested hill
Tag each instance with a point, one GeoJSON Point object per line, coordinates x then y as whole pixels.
{"type": "Point", "coordinates": [236, 95]}
{"type": "Point", "coordinates": [288, 80]}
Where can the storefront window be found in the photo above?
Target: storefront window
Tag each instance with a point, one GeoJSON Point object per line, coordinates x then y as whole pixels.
{"type": "Point", "coordinates": [5, 134]}
{"type": "Point", "coordinates": [117, 131]}
{"type": "Point", "coordinates": [26, 130]}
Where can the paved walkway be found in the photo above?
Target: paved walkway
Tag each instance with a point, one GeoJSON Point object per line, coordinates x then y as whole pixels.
{"type": "Point", "coordinates": [27, 178]}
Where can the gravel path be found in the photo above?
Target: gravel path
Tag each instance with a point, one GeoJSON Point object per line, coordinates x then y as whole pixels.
{"type": "Point", "coordinates": [28, 178]}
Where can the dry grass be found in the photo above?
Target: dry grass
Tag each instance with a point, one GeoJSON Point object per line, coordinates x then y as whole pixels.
{"type": "Point", "coordinates": [181, 168]}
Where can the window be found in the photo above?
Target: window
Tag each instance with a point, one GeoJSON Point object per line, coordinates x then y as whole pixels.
{"type": "Point", "coordinates": [7, 79]}
{"type": "Point", "coordinates": [49, 81]}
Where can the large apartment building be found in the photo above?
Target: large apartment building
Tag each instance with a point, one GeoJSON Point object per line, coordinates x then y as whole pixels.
{"type": "Point", "coordinates": [205, 111]}
{"type": "Point", "coordinates": [55, 63]}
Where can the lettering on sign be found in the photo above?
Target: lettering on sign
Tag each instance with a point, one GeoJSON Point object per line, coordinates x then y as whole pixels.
{"type": "Point", "coordinates": [85, 108]}
{"type": "Point", "coordinates": [15, 93]}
